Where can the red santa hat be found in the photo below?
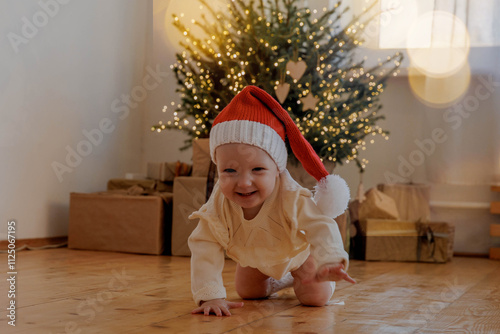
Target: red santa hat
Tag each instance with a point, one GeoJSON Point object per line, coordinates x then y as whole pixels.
{"type": "Point", "coordinates": [254, 117]}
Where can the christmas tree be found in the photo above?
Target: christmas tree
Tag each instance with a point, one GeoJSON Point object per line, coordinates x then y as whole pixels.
{"type": "Point", "coordinates": [304, 59]}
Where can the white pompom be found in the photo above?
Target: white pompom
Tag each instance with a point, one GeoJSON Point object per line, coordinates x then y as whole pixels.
{"type": "Point", "coordinates": [332, 195]}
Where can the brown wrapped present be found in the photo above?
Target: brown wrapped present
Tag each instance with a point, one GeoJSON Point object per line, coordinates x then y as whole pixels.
{"type": "Point", "coordinates": [412, 200]}
{"type": "Point", "coordinates": [392, 240]}
{"type": "Point", "coordinates": [201, 157]}
{"type": "Point", "coordinates": [124, 184]}
{"type": "Point", "coordinates": [377, 205]}
{"type": "Point", "coordinates": [189, 195]}
{"type": "Point", "coordinates": [435, 241]}
{"type": "Point", "coordinates": [167, 171]}
{"type": "Point", "coordinates": [121, 221]}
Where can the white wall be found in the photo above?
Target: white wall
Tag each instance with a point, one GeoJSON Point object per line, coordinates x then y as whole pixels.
{"type": "Point", "coordinates": [62, 66]}
{"type": "Point", "coordinates": [162, 146]}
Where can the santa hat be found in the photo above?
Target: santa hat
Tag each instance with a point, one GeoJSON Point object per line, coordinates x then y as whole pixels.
{"type": "Point", "coordinates": [254, 117]}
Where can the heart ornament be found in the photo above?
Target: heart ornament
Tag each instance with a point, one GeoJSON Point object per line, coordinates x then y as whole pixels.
{"type": "Point", "coordinates": [296, 69]}
{"type": "Point", "coordinates": [282, 91]}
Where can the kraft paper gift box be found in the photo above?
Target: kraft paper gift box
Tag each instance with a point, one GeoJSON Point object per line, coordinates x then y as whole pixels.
{"type": "Point", "coordinates": [393, 240]}
{"type": "Point", "coordinates": [115, 221]}
{"type": "Point", "coordinates": [377, 205]}
{"type": "Point", "coordinates": [190, 193]}
{"type": "Point", "coordinates": [201, 157]}
{"type": "Point", "coordinates": [189, 196]}
{"type": "Point", "coordinates": [412, 200]}
{"type": "Point", "coordinates": [444, 237]}
{"type": "Point", "coordinates": [124, 184]}
{"type": "Point", "coordinates": [167, 171]}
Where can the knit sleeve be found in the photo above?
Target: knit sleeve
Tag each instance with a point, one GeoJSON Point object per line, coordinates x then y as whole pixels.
{"type": "Point", "coordinates": [207, 263]}
{"type": "Point", "coordinates": [322, 232]}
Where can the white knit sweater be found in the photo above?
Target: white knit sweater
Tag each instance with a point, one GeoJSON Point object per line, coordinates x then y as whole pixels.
{"type": "Point", "coordinates": [278, 240]}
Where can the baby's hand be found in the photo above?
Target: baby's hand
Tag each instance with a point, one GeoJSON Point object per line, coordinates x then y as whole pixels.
{"type": "Point", "coordinates": [218, 307]}
{"type": "Point", "coordinates": [330, 272]}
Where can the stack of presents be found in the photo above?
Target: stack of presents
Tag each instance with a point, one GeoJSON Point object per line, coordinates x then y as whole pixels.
{"type": "Point", "coordinates": [391, 223]}
{"type": "Point", "coordinates": [145, 216]}
{"type": "Point", "coordinates": [149, 215]}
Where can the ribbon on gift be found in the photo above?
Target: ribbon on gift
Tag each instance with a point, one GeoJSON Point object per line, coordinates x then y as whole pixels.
{"type": "Point", "coordinates": [182, 169]}
{"type": "Point", "coordinates": [428, 237]}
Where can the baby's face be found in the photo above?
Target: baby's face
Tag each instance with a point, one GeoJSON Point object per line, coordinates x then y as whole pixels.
{"type": "Point", "coordinates": [247, 176]}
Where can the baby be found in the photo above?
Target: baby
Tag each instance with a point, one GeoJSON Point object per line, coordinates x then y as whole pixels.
{"type": "Point", "coordinates": [278, 234]}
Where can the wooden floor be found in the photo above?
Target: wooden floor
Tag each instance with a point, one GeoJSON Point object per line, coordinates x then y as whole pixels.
{"type": "Point", "coordinates": [70, 291]}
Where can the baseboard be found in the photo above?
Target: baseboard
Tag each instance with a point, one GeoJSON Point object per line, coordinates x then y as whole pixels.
{"type": "Point", "coordinates": [495, 253]}
{"type": "Point", "coordinates": [460, 254]}
{"type": "Point", "coordinates": [38, 242]}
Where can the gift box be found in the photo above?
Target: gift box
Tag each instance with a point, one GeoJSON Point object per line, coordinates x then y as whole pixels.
{"type": "Point", "coordinates": [124, 184]}
{"type": "Point", "coordinates": [377, 205]}
{"type": "Point", "coordinates": [201, 157]}
{"type": "Point", "coordinates": [412, 200]}
{"type": "Point", "coordinates": [190, 193]}
{"type": "Point", "coordinates": [167, 171]}
{"type": "Point", "coordinates": [394, 240]}
{"type": "Point", "coordinates": [121, 221]}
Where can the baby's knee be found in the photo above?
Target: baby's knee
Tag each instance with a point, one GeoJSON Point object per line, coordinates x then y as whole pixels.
{"type": "Point", "coordinates": [252, 291]}
{"type": "Point", "coordinates": [246, 293]}
{"type": "Point", "coordinates": [314, 299]}
{"type": "Point", "coordinates": [318, 296]}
